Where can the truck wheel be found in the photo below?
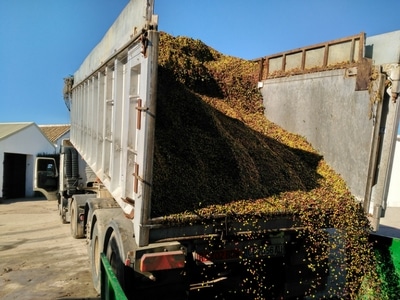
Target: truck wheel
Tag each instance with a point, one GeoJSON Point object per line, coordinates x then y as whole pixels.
{"type": "Point", "coordinates": [95, 250]}
{"type": "Point", "coordinates": [120, 240]}
{"type": "Point", "coordinates": [96, 245]}
{"type": "Point", "coordinates": [61, 209]}
{"type": "Point", "coordinates": [114, 257]}
{"type": "Point", "coordinates": [77, 230]}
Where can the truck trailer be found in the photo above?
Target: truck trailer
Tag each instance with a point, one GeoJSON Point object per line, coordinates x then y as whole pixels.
{"type": "Point", "coordinates": [105, 183]}
{"type": "Point", "coordinates": [105, 179]}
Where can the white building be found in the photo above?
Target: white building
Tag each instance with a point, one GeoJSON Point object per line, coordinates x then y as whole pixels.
{"type": "Point", "coordinates": [20, 143]}
{"type": "Point", "coordinates": [56, 133]}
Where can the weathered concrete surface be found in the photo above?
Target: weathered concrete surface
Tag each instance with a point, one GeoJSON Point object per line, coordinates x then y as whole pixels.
{"type": "Point", "coordinates": [390, 223]}
{"type": "Point", "coordinates": [324, 108]}
{"type": "Point", "coordinates": [38, 257]}
{"type": "Point", "coordinates": [334, 115]}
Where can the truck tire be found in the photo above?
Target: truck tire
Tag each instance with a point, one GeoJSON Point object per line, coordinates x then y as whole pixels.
{"type": "Point", "coordinates": [120, 240]}
{"type": "Point", "coordinates": [62, 205]}
{"type": "Point", "coordinates": [75, 210]}
{"type": "Point", "coordinates": [96, 236]}
{"type": "Point", "coordinates": [95, 249]}
{"type": "Point", "coordinates": [77, 230]}
{"type": "Point", "coordinates": [116, 261]}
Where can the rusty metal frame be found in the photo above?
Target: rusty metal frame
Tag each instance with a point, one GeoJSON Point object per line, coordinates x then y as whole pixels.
{"type": "Point", "coordinates": [264, 62]}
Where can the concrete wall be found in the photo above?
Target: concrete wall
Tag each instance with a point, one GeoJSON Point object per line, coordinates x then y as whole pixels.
{"type": "Point", "coordinates": [324, 108]}
{"type": "Point", "coordinates": [394, 188]}
{"type": "Point", "coordinates": [384, 48]}
{"type": "Point", "coordinates": [29, 141]}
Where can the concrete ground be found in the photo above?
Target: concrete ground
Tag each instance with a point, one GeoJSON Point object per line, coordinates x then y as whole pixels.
{"type": "Point", "coordinates": [390, 223]}
{"type": "Point", "coordinates": [38, 257]}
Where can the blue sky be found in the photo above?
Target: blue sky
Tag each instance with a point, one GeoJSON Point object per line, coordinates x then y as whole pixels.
{"type": "Point", "coordinates": [43, 41]}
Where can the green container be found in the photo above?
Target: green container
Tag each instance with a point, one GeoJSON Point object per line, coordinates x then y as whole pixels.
{"type": "Point", "coordinates": [387, 253]}
{"type": "Point", "coordinates": [110, 287]}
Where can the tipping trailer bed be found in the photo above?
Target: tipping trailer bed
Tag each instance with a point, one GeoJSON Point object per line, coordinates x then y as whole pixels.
{"type": "Point", "coordinates": [118, 81]}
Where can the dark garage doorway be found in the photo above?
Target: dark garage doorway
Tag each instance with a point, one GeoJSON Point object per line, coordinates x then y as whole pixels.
{"type": "Point", "coordinates": [14, 175]}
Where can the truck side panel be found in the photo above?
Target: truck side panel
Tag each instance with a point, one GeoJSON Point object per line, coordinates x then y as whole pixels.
{"type": "Point", "coordinates": [113, 111]}
{"type": "Point", "coordinates": [129, 24]}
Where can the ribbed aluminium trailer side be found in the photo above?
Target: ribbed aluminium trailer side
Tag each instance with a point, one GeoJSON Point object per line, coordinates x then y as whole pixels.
{"type": "Point", "coordinates": [113, 111]}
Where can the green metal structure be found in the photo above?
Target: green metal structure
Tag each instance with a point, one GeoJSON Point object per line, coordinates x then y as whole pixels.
{"type": "Point", "coordinates": [387, 253]}
{"type": "Point", "coordinates": [110, 287]}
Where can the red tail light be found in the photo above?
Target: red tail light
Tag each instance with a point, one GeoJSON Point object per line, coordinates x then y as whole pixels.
{"type": "Point", "coordinates": [162, 261]}
{"type": "Point", "coordinates": [127, 262]}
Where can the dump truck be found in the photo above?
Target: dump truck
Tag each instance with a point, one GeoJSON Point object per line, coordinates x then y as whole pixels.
{"type": "Point", "coordinates": [104, 181]}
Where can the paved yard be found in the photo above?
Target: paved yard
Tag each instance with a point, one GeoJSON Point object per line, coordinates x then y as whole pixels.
{"type": "Point", "coordinates": [38, 257]}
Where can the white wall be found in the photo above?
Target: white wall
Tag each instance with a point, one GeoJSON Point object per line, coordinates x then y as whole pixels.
{"type": "Point", "coordinates": [60, 139]}
{"type": "Point", "coordinates": [393, 199]}
{"type": "Point", "coordinates": [29, 141]}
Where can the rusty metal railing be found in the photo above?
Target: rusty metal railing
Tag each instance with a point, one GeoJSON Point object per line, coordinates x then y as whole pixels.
{"type": "Point", "coordinates": [329, 55]}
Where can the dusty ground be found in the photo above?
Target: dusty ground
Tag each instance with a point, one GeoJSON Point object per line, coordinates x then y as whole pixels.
{"type": "Point", "coordinates": [38, 257]}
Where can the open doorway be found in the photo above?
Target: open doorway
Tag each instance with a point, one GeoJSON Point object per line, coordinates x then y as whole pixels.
{"type": "Point", "coordinates": [14, 174]}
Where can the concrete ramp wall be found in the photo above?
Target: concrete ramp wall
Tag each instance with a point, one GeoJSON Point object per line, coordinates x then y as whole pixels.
{"type": "Point", "coordinates": [325, 108]}
{"type": "Point", "coordinates": [334, 94]}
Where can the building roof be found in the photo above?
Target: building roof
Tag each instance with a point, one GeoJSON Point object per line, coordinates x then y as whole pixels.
{"type": "Point", "coordinates": [54, 132]}
{"type": "Point", "coordinates": [8, 129]}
